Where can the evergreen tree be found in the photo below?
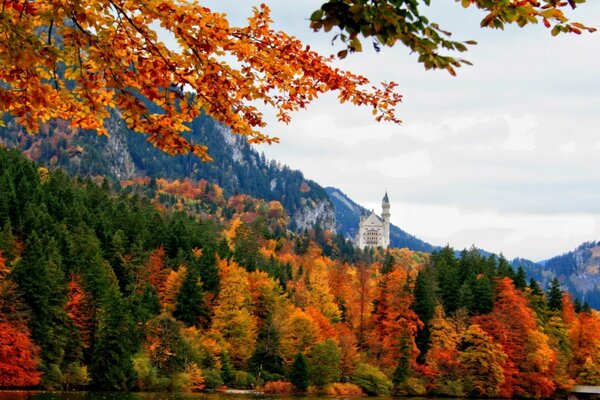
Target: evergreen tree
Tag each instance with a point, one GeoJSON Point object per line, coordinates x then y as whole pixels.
{"type": "Point", "coordinates": [424, 307]}
{"type": "Point", "coordinates": [299, 372]}
{"type": "Point", "coordinates": [448, 282]}
{"type": "Point", "coordinates": [483, 295]}
{"type": "Point", "coordinates": [209, 272]}
{"type": "Point", "coordinates": [520, 279]}
{"type": "Point", "coordinates": [555, 295]}
{"type": "Point", "coordinates": [111, 367]}
{"type": "Point", "coordinates": [189, 307]}
{"type": "Point", "coordinates": [534, 286]}
{"type": "Point", "coordinates": [227, 372]}
{"type": "Point", "coordinates": [388, 263]}
{"type": "Point", "coordinates": [266, 362]}
{"type": "Point", "coordinates": [40, 278]}
{"type": "Point", "coordinates": [404, 368]}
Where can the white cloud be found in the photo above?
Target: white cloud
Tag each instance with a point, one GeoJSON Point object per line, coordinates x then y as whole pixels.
{"type": "Point", "coordinates": [408, 165]}
{"type": "Point", "coordinates": [521, 136]}
{"type": "Point", "coordinates": [486, 152]}
{"type": "Point", "coordinates": [568, 148]}
{"type": "Point", "coordinates": [515, 235]}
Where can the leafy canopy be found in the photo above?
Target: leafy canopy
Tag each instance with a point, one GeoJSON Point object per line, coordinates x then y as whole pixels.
{"type": "Point", "coordinates": [79, 60]}
{"type": "Point", "coordinates": [387, 22]}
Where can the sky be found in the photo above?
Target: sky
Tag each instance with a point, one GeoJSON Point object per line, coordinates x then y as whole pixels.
{"type": "Point", "coordinates": [505, 156]}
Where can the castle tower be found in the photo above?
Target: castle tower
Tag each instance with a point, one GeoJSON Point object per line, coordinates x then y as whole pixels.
{"type": "Point", "coordinates": [385, 215]}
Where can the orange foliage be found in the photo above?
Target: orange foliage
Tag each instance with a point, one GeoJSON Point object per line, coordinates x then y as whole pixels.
{"type": "Point", "coordinates": [173, 282]}
{"type": "Point", "coordinates": [393, 319]}
{"type": "Point", "coordinates": [513, 325]}
{"type": "Point", "coordinates": [279, 387]}
{"type": "Point", "coordinates": [18, 357]}
{"type": "Point", "coordinates": [324, 327]}
{"type": "Point", "coordinates": [348, 346]}
{"type": "Point", "coordinates": [80, 309]}
{"type": "Point", "coordinates": [343, 389]}
{"type": "Point", "coordinates": [584, 336]}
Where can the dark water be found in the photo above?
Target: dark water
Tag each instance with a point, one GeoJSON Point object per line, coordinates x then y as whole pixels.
{"type": "Point", "coordinates": [29, 395]}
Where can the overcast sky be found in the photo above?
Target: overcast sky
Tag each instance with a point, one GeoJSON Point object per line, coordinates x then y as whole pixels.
{"type": "Point", "coordinates": [505, 156]}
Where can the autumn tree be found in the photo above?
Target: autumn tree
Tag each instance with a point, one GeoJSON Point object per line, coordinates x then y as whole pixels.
{"type": "Point", "coordinates": [19, 356]}
{"type": "Point", "coordinates": [77, 61]}
{"type": "Point", "coordinates": [482, 363]}
{"type": "Point", "coordinates": [388, 22]}
{"type": "Point", "coordinates": [233, 320]}
{"type": "Point", "coordinates": [513, 325]}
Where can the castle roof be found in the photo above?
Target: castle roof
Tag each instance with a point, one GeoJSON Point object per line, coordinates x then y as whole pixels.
{"type": "Point", "coordinates": [385, 198]}
{"type": "Point", "coordinates": [372, 220]}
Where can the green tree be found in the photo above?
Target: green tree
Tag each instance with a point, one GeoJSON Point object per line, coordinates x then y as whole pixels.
{"type": "Point", "coordinates": [534, 286]}
{"type": "Point", "coordinates": [112, 367]}
{"type": "Point", "coordinates": [324, 363]}
{"type": "Point", "coordinates": [424, 307]}
{"type": "Point", "coordinates": [555, 295]}
{"type": "Point", "coordinates": [266, 362]}
{"type": "Point", "coordinates": [520, 278]}
{"type": "Point", "coordinates": [41, 281]}
{"type": "Point", "coordinates": [299, 372]}
{"type": "Point", "coordinates": [227, 372]}
{"type": "Point", "coordinates": [190, 308]}
{"type": "Point", "coordinates": [371, 380]}
{"type": "Point", "coordinates": [447, 277]}
{"type": "Point", "coordinates": [404, 368]}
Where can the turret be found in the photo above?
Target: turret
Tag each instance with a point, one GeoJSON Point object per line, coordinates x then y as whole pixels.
{"type": "Point", "coordinates": [385, 215]}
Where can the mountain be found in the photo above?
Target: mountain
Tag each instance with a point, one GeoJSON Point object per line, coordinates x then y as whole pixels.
{"type": "Point", "coordinates": [577, 270]}
{"type": "Point", "coordinates": [237, 167]}
{"type": "Point", "coordinates": [348, 216]}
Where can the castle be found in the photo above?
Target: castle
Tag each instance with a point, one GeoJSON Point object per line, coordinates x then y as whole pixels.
{"type": "Point", "coordinates": [374, 231]}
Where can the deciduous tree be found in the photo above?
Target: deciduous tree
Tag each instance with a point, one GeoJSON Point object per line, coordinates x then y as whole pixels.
{"type": "Point", "coordinates": [77, 61]}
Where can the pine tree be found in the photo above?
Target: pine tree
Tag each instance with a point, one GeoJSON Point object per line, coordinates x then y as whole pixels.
{"type": "Point", "coordinates": [209, 272]}
{"type": "Point", "coordinates": [534, 286]}
{"type": "Point", "coordinates": [520, 279]}
{"type": "Point", "coordinates": [266, 362]}
{"type": "Point", "coordinates": [227, 372]}
{"type": "Point", "coordinates": [388, 263]}
{"type": "Point", "coordinates": [111, 367]}
{"type": "Point", "coordinates": [404, 368]}
{"type": "Point", "coordinates": [40, 278]}
{"type": "Point", "coordinates": [189, 307]}
{"type": "Point", "coordinates": [555, 295]}
{"type": "Point", "coordinates": [299, 372]}
{"type": "Point", "coordinates": [424, 307]}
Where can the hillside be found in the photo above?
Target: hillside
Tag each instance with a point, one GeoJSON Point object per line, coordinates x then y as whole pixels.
{"type": "Point", "coordinates": [170, 285]}
{"type": "Point", "coordinates": [237, 167]}
{"type": "Point", "coordinates": [348, 216]}
{"type": "Point", "coordinates": [577, 270]}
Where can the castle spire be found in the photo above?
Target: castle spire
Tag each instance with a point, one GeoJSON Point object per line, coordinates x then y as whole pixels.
{"type": "Point", "coordinates": [385, 198]}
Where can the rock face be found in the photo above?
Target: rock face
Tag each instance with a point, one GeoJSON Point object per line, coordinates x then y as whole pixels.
{"type": "Point", "coordinates": [577, 270]}
{"type": "Point", "coordinates": [237, 166]}
{"type": "Point", "coordinates": [312, 212]}
{"type": "Point", "coordinates": [117, 154]}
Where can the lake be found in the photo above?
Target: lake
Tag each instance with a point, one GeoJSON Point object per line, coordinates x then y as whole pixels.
{"type": "Point", "coordinates": [29, 395]}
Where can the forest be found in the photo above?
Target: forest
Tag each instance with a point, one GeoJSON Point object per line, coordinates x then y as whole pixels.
{"type": "Point", "coordinates": [170, 285]}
